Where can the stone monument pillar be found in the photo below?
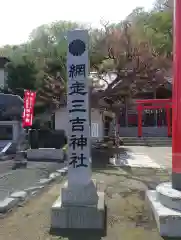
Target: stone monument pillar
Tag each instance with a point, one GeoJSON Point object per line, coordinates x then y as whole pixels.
{"type": "Point", "coordinates": [80, 207]}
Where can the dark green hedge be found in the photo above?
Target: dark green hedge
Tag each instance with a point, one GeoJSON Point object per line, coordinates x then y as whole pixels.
{"type": "Point", "coordinates": [46, 138]}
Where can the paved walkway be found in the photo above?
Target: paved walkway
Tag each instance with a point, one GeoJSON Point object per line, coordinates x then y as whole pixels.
{"type": "Point", "coordinates": [132, 159]}
{"type": "Point", "coordinates": [159, 155]}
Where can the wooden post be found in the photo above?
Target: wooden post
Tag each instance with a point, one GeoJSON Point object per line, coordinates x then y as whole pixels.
{"type": "Point", "coordinates": [139, 108]}
{"type": "Point", "coordinates": [167, 108]}
{"type": "Point", "coordinates": [176, 95]}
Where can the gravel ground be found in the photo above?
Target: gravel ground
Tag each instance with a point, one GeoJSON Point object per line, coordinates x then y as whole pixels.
{"type": "Point", "coordinates": [128, 215]}
{"type": "Point", "coordinates": [19, 179]}
{"type": "Point", "coordinates": [6, 166]}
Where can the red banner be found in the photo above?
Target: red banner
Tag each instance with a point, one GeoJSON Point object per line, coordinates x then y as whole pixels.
{"type": "Point", "coordinates": [29, 102]}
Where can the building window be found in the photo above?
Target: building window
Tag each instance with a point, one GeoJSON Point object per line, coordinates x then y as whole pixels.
{"type": "Point", "coordinates": [6, 132]}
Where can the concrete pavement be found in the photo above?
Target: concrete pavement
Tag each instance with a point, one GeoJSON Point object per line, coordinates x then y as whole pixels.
{"type": "Point", "coordinates": [160, 155]}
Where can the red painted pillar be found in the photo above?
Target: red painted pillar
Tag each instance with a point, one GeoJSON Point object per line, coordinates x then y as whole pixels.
{"type": "Point", "coordinates": [176, 107]}
{"type": "Point", "coordinates": [139, 109]}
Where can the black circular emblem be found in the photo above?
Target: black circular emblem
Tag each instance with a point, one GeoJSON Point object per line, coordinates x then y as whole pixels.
{"type": "Point", "coordinates": [77, 47]}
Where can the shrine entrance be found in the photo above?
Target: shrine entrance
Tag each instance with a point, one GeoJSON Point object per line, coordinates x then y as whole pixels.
{"type": "Point", "coordinates": [151, 104]}
{"type": "Point", "coordinates": [154, 117]}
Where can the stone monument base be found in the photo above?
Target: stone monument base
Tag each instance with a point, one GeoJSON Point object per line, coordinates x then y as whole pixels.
{"type": "Point", "coordinates": [72, 220]}
{"type": "Point", "coordinates": [80, 195]}
{"type": "Point", "coordinates": [165, 203]}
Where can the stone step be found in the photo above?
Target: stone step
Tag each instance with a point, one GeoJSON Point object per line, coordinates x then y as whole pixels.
{"type": "Point", "coordinates": [153, 141]}
{"type": "Point", "coordinates": [145, 138]}
{"type": "Point", "coordinates": [131, 139]}
{"type": "Point", "coordinates": [132, 144]}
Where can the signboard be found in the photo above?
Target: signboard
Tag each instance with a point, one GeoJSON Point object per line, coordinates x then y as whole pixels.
{"type": "Point", "coordinates": [78, 108]}
{"type": "Point", "coordinates": [29, 102]}
{"type": "Point", "coordinates": [95, 130]}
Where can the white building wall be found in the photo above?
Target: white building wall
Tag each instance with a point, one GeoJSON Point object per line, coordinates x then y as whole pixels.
{"type": "Point", "coordinates": [61, 119]}
{"type": "Point", "coordinates": [96, 119]}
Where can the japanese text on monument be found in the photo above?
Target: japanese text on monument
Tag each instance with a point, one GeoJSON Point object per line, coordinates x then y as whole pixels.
{"type": "Point", "coordinates": [78, 134]}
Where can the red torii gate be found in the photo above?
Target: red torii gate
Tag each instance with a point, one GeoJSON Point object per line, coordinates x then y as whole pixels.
{"type": "Point", "coordinates": [176, 96]}
{"type": "Point", "coordinates": [156, 104]}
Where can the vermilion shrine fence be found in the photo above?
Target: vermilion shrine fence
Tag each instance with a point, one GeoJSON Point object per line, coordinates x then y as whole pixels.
{"type": "Point", "coordinates": [154, 104]}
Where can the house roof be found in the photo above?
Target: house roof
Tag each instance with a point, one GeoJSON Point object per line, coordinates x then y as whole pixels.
{"type": "Point", "coordinates": [3, 61]}
{"type": "Point", "coordinates": [9, 100]}
{"type": "Point", "coordinates": [11, 107]}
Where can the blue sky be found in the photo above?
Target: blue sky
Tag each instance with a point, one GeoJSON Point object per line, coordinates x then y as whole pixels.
{"type": "Point", "coordinates": [19, 17]}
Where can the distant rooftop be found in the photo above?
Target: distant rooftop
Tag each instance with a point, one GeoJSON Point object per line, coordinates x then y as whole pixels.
{"type": "Point", "coordinates": [9, 100]}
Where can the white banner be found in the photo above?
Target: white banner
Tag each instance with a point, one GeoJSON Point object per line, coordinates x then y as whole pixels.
{"type": "Point", "coordinates": [95, 130]}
